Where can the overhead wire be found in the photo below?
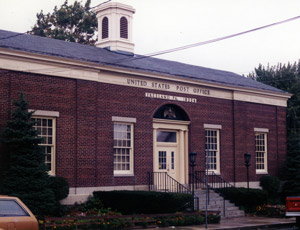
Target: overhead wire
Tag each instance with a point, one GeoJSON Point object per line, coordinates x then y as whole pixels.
{"type": "Point", "coordinates": [181, 47]}
{"type": "Point", "coordinates": [206, 42]}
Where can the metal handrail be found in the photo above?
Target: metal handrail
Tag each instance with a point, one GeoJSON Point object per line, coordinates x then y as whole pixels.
{"type": "Point", "coordinates": [211, 181]}
{"type": "Point", "coordinates": [163, 182]}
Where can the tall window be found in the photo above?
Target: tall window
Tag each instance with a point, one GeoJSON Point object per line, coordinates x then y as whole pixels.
{"type": "Point", "coordinates": [104, 28]}
{"type": "Point", "coordinates": [123, 28]}
{"type": "Point", "coordinates": [212, 150]}
{"type": "Point", "coordinates": [261, 152]}
{"type": "Point", "coordinates": [123, 148]}
{"type": "Point", "coordinates": [46, 130]}
{"type": "Point", "coordinates": [162, 160]}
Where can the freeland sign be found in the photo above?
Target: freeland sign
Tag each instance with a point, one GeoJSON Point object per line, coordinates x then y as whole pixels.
{"type": "Point", "coordinates": [170, 97]}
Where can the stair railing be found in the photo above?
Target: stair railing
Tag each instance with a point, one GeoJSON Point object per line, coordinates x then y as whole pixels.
{"type": "Point", "coordinates": [214, 181]}
{"type": "Point", "coordinates": [211, 181]}
{"type": "Point", "coordinates": [163, 182]}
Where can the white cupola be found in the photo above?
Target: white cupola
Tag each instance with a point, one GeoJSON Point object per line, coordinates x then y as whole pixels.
{"type": "Point", "coordinates": [115, 27]}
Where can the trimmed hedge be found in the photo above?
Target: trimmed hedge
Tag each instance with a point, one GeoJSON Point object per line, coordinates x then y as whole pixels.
{"type": "Point", "coordinates": [143, 202]}
{"type": "Point", "coordinates": [270, 184]}
{"type": "Point", "coordinates": [247, 201]}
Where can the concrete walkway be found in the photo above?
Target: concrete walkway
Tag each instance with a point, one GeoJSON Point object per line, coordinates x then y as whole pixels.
{"type": "Point", "coordinates": [245, 223]}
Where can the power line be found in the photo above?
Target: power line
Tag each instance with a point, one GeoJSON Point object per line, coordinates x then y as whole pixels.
{"type": "Point", "coordinates": [100, 4]}
{"type": "Point", "coordinates": [208, 41]}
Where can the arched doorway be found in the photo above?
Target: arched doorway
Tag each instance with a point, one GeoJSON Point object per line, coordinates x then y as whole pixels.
{"type": "Point", "coordinates": [170, 142]}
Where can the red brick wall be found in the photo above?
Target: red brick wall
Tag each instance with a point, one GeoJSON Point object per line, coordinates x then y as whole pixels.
{"type": "Point", "coordinates": [84, 150]}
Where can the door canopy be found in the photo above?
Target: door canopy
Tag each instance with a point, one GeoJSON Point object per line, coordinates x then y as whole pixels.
{"type": "Point", "coordinates": [171, 112]}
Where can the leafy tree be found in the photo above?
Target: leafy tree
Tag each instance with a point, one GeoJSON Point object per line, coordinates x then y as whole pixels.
{"type": "Point", "coordinates": [287, 78]}
{"type": "Point", "coordinates": [26, 176]}
{"type": "Point", "coordinates": [74, 23]}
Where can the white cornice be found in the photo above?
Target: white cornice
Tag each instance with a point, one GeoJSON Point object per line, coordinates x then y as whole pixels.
{"type": "Point", "coordinates": [76, 69]}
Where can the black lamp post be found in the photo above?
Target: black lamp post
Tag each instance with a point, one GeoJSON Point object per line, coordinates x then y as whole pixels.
{"type": "Point", "coordinates": [192, 156]}
{"type": "Point", "coordinates": [247, 157]}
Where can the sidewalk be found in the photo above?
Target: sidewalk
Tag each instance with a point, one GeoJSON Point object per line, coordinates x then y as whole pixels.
{"type": "Point", "coordinates": [244, 223]}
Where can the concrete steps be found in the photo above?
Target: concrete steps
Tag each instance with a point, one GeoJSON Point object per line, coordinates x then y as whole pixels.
{"type": "Point", "coordinates": [216, 203]}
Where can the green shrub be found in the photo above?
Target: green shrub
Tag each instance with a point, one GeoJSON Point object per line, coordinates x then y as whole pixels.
{"type": "Point", "coordinates": [60, 187]}
{"type": "Point", "coordinates": [213, 219]}
{"type": "Point", "coordinates": [244, 199]}
{"type": "Point", "coordinates": [270, 184]}
{"type": "Point", "coordinates": [137, 202]}
{"type": "Point", "coordinates": [289, 188]}
{"type": "Point", "coordinates": [92, 207]}
{"type": "Point", "coordinates": [182, 220]}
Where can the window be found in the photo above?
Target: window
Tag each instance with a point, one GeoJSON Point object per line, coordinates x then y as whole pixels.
{"type": "Point", "coordinates": [162, 160]}
{"type": "Point", "coordinates": [10, 208]}
{"type": "Point", "coordinates": [104, 28]}
{"type": "Point", "coordinates": [261, 152]}
{"type": "Point", "coordinates": [172, 160]}
{"type": "Point", "coordinates": [123, 28]}
{"type": "Point", "coordinates": [123, 148]}
{"type": "Point", "coordinates": [166, 136]}
{"type": "Point", "coordinates": [46, 130]}
{"type": "Point", "coordinates": [212, 150]}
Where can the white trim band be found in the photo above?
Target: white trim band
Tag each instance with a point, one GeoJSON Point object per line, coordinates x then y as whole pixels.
{"type": "Point", "coordinates": [211, 126]}
{"type": "Point", "coordinates": [74, 69]}
{"type": "Point", "coordinates": [123, 119]}
{"type": "Point", "coordinates": [44, 113]}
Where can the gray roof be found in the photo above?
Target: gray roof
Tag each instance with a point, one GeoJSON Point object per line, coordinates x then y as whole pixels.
{"type": "Point", "coordinates": [58, 48]}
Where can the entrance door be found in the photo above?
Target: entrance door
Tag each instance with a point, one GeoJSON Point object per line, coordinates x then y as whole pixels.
{"type": "Point", "coordinates": [166, 168]}
{"type": "Point", "coordinates": [166, 152]}
{"type": "Point", "coordinates": [170, 141]}
{"type": "Point", "coordinates": [167, 159]}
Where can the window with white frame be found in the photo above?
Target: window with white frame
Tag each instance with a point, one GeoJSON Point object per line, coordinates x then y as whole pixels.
{"type": "Point", "coordinates": [261, 152]}
{"type": "Point", "coordinates": [212, 150]}
{"type": "Point", "coordinates": [46, 130]}
{"type": "Point", "coordinates": [123, 148]}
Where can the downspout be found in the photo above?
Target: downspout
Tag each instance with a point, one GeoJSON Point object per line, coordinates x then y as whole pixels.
{"type": "Point", "coordinates": [76, 133]}
{"type": "Point", "coordinates": [277, 152]}
{"type": "Point", "coordinates": [233, 142]}
{"type": "Point", "coordinates": [97, 133]}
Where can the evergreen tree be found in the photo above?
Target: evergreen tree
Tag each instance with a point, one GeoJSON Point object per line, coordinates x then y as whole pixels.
{"type": "Point", "coordinates": [74, 23]}
{"type": "Point", "coordinates": [26, 176]}
{"type": "Point", "coordinates": [287, 78]}
{"type": "Point", "coordinates": [292, 186]}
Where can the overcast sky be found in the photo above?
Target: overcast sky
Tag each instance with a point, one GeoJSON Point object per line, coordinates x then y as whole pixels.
{"type": "Point", "coordinates": [164, 24]}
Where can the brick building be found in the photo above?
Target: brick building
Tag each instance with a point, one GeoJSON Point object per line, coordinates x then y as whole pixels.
{"type": "Point", "coordinates": [108, 117]}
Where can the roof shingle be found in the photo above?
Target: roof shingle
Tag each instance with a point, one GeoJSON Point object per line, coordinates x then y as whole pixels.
{"type": "Point", "coordinates": [59, 48]}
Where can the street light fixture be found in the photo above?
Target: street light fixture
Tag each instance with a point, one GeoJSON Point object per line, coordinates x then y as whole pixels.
{"type": "Point", "coordinates": [247, 157]}
{"type": "Point", "coordinates": [193, 158]}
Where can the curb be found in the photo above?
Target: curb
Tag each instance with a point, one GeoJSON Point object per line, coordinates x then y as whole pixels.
{"type": "Point", "coordinates": [287, 226]}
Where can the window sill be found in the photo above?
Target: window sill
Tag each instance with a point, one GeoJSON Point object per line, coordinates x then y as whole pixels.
{"type": "Point", "coordinates": [210, 173]}
{"type": "Point", "coordinates": [261, 172]}
{"type": "Point", "coordinates": [123, 175]}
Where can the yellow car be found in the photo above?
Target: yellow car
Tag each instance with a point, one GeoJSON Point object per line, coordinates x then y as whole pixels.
{"type": "Point", "coordinates": [14, 215]}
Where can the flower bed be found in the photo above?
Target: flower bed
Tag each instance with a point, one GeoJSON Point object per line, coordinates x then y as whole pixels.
{"type": "Point", "coordinates": [271, 210]}
{"type": "Point", "coordinates": [127, 222]}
